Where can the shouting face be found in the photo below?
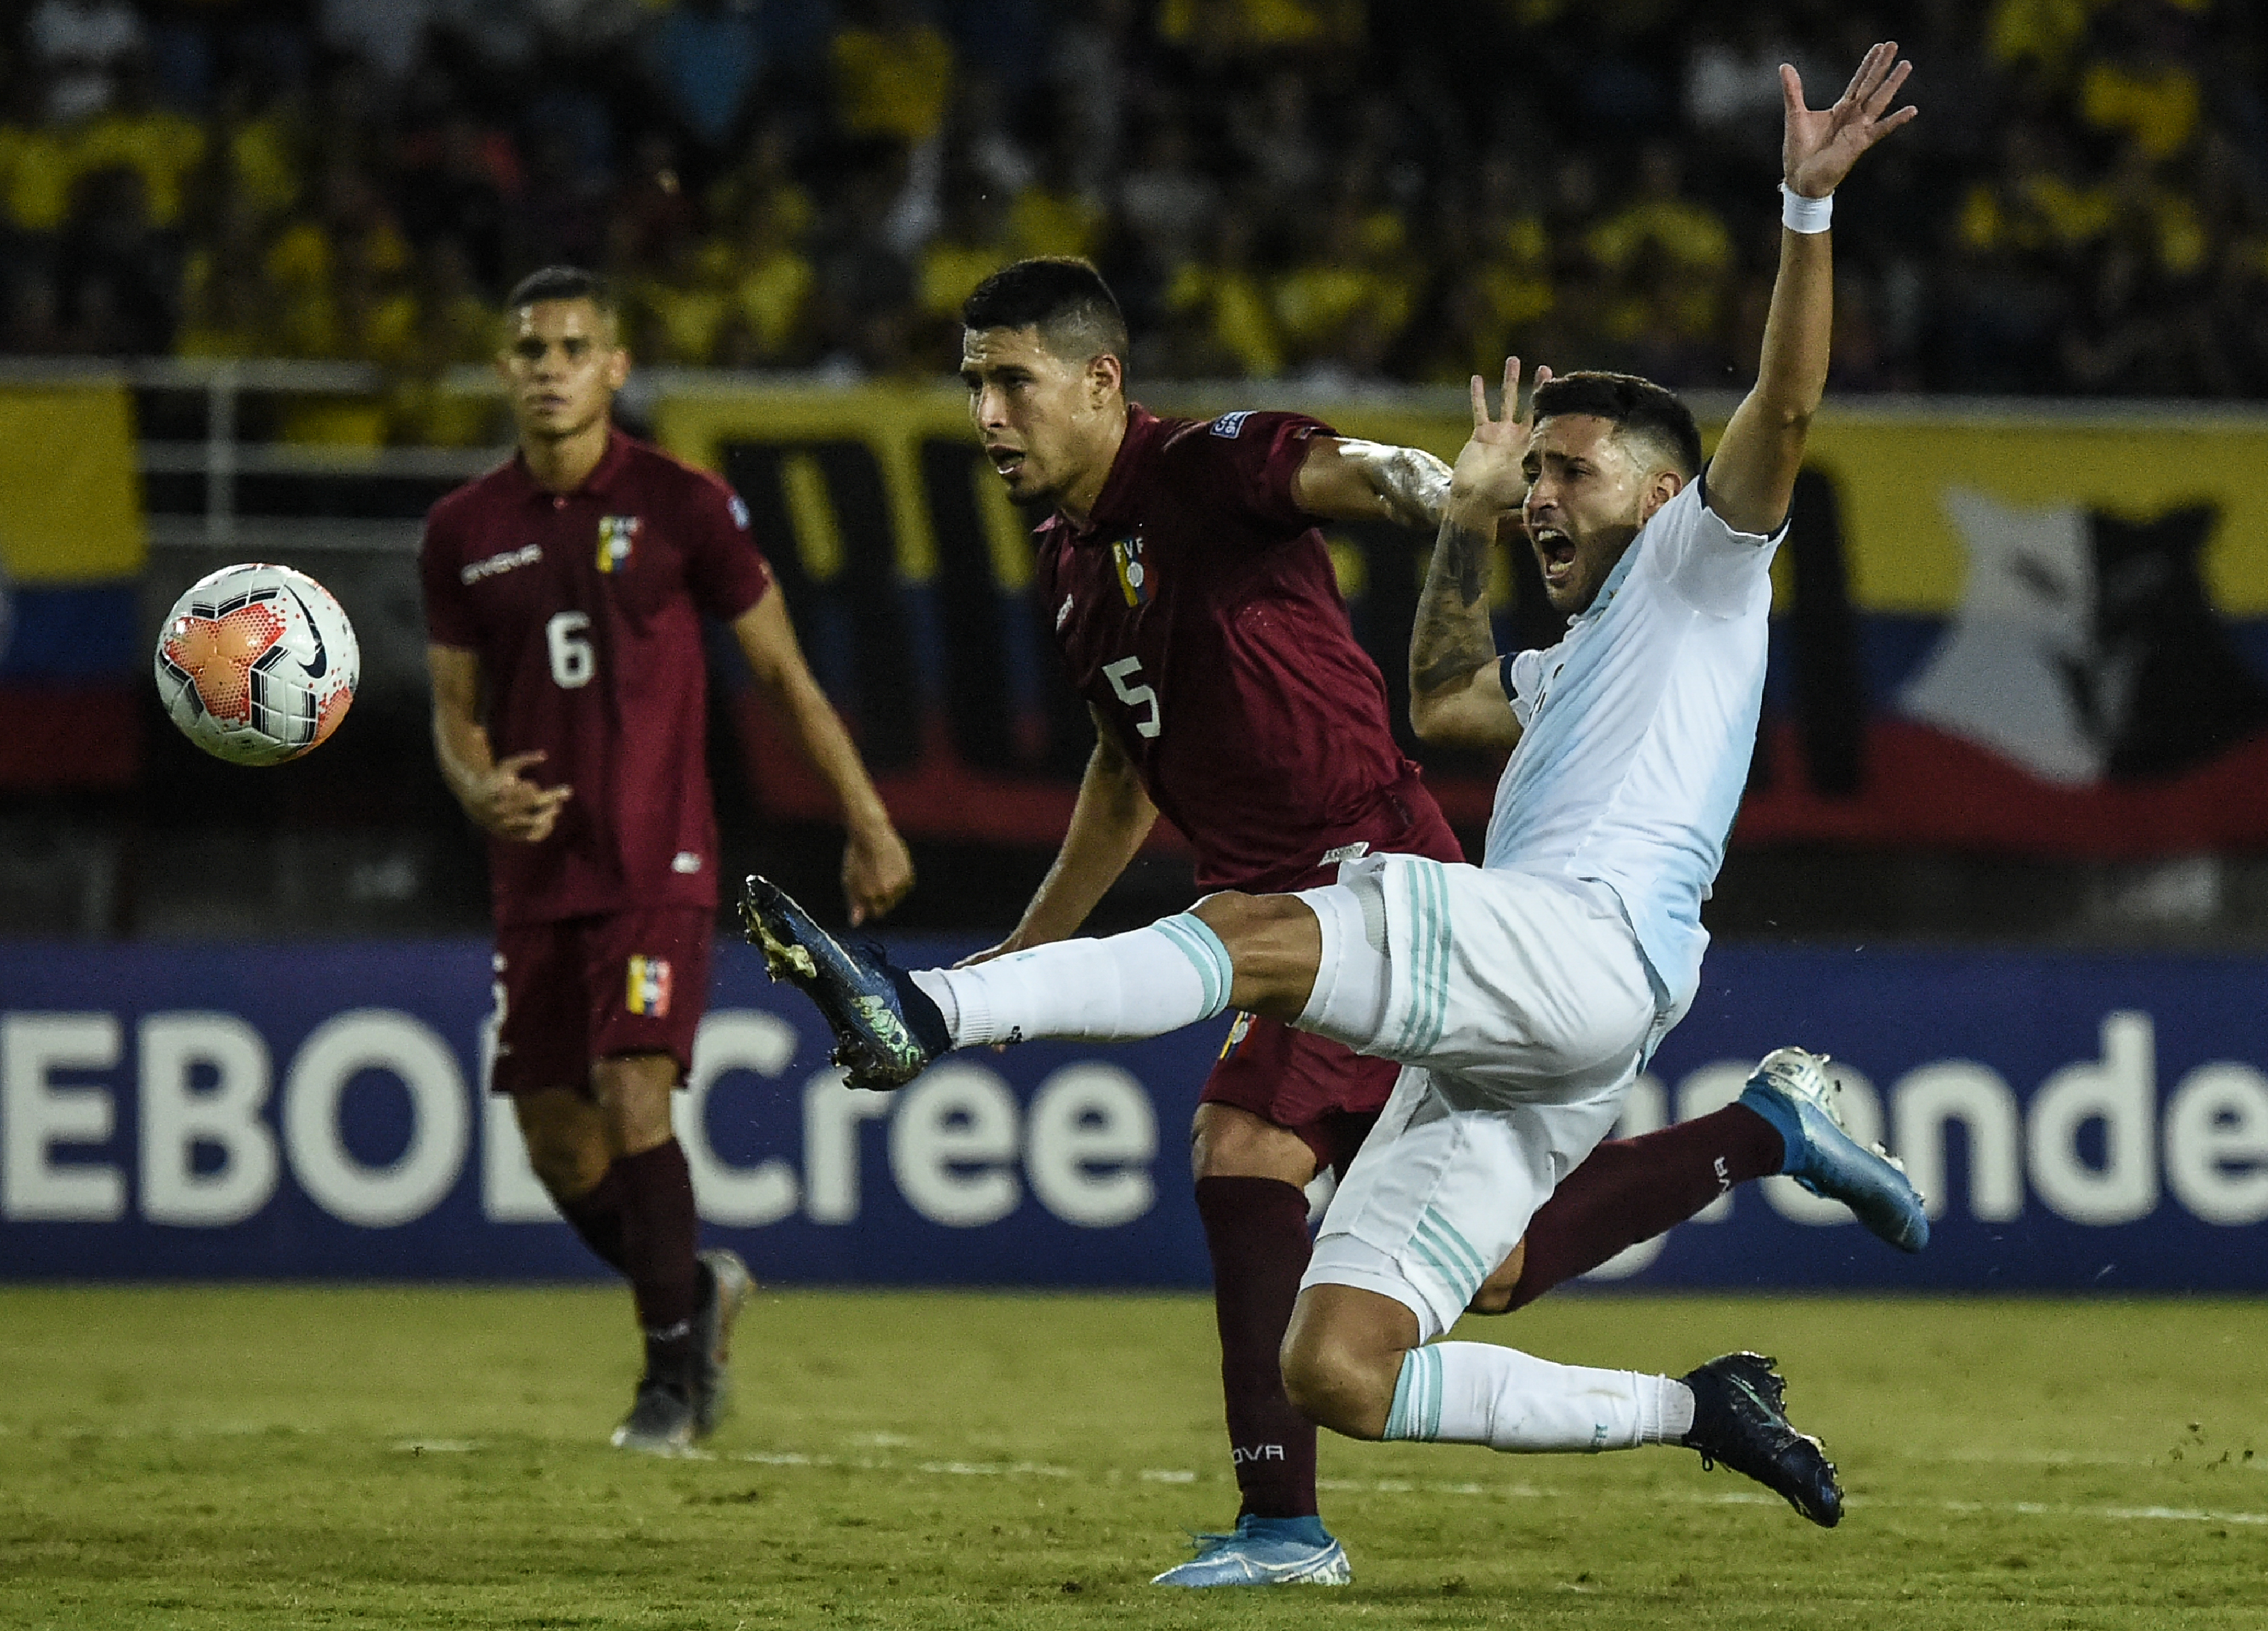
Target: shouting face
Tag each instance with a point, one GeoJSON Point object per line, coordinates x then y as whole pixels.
{"type": "Point", "coordinates": [1590, 489]}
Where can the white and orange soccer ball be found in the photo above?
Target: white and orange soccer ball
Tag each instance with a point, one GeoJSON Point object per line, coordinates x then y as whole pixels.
{"type": "Point", "coordinates": [257, 663]}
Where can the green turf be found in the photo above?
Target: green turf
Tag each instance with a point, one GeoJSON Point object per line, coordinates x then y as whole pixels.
{"type": "Point", "coordinates": [263, 1458]}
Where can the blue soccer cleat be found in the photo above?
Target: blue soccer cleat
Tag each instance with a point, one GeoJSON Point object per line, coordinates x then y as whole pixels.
{"type": "Point", "coordinates": [885, 1030]}
{"type": "Point", "coordinates": [1738, 1422]}
{"type": "Point", "coordinates": [1264, 1552]}
{"type": "Point", "coordinates": [1792, 1090]}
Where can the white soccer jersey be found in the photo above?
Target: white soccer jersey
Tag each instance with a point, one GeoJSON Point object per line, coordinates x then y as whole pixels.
{"type": "Point", "coordinates": [1637, 729]}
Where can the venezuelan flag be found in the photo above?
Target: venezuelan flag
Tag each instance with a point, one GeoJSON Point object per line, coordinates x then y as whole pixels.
{"type": "Point", "coordinates": [73, 544]}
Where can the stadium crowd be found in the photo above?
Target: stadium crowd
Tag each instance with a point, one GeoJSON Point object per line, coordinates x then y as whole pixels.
{"type": "Point", "coordinates": [1329, 191]}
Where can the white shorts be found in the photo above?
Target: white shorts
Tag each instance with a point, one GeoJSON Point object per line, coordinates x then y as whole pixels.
{"type": "Point", "coordinates": [1522, 1010]}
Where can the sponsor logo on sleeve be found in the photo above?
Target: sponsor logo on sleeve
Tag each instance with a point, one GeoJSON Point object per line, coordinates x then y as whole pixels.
{"type": "Point", "coordinates": [647, 991]}
{"type": "Point", "coordinates": [1232, 425]}
{"type": "Point", "coordinates": [685, 861]}
{"type": "Point", "coordinates": [739, 509]}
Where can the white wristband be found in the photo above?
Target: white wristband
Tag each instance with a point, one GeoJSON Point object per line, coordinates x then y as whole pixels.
{"type": "Point", "coordinates": [1798, 214]}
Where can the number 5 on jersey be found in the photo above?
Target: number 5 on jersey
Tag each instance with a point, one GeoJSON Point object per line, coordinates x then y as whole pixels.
{"type": "Point", "coordinates": [1134, 696]}
{"type": "Point", "coordinates": [572, 660]}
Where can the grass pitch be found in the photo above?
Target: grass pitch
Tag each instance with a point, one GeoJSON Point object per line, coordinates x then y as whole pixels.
{"type": "Point", "coordinates": [208, 1458]}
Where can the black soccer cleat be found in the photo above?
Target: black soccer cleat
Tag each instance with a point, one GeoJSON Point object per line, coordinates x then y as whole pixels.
{"type": "Point", "coordinates": [887, 1030]}
{"type": "Point", "coordinates": [725, 1284]}
{"type": "Point", "coordinates": [1738, 1422]}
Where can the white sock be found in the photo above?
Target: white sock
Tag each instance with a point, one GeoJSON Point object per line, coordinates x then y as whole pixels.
{"type": "Point", "coordinates": [1143, 983]}
{"type": "Point", "coordinates": [1479, 1394]}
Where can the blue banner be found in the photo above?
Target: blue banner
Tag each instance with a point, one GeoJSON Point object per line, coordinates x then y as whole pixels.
{"type": "Point", "coordinates": [314, 1111]}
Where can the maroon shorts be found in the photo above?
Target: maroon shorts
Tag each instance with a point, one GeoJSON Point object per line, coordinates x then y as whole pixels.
{"type": "Point", "coordinates": [579, 989]}
{"type": "Point", "coordinates": [1308, 1085]}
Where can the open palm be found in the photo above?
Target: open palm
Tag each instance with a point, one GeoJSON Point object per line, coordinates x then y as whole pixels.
{"type": "Point", "coordinates": [1818, 148]}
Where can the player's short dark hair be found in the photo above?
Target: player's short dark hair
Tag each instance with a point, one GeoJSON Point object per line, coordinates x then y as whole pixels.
{"type": "Point", "coordinates": [563, 283]}
{"type": "Point", "coordinates": [1638, 408]}
{"type": "Point", "coordinates": [1064, 299]}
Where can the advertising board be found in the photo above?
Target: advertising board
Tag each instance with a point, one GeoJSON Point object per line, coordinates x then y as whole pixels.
{"type": "Point", "coordinates": [313, 1111]}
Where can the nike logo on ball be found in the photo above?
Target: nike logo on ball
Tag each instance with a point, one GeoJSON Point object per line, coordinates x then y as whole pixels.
{"type": "Point", "coordinates": [322, 663]}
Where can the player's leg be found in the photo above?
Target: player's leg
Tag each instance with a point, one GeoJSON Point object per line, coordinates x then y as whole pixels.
{"type": "Point", "coordinates": [574, 1159]}
{"type": "Point", "coordinates": [1251, 1177]}
{"type": "Point", "coordinates": [542, 1064]}
{"type": "Point", "coordinates": [647, 974]}
{"type": "Point", "coordinates": [1536, 999]}
{"type": "Point", "coordinates": [1631, 1189]}
{"type": "Point", "coordinates": [1627, 1190]}
{"type": "Point", "coordinates": [1360, 1357]}
{"type": "Point", "coordinates": [1258, 953]}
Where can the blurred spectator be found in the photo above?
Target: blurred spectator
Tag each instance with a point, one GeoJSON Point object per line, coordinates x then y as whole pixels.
{"type": "Point", "coordinates": [117, 274]}
{"type": "Point", "coordinates": [2141, 88]}
{"type": "Point", "coordinates": [767, 323]}
{"type": "Point", "coordinates": [1218, 323]}
{"type": "Point", "coordinates": [1667, 258]}
{"type": "Point", "coordinates": [82, 45]}
{"type": "Point", "coordinates": [893, 73]}
{"type": "Point", "coordinates": [704, 58]}
{"type": "Point", "coordinates": [457, 179]}
{"type": "Point", "coordinates": [164, 148]}
{"type": "Point", "coordinates": [1054, 215]}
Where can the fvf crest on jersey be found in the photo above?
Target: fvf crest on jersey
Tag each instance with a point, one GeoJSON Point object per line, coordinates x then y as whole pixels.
{"type": "Point", "coordinates": [617, 533]}
{"type": "Point", "coordinates": [1133, 572]}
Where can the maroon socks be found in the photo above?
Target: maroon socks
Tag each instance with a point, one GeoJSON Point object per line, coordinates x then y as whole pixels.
{"type": "Point", "coordinates": [1256, 1229]}
{"type": "Point", "coordinates": [597, 1217]}
{"type": "Point", "coordinates": [658, 1229]}
{"type": "Point", "coordinates": [1631, 1189]}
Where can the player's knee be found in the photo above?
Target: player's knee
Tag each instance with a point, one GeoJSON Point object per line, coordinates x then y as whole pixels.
{"type": "Point", "coordinates": [1274, 945]}
{"type": "Point", "coordinates": [565, 1162]}
{"type": "Point", "coordinates": [1335, 1379]}
{"type": "Point", "coordinates": [1225, 1141]}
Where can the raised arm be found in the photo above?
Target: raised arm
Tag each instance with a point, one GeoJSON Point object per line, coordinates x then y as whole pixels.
{"type": "Point", "coordinates": [1753, 475]}
{"type": "Point", "coordinates": [1108, 825]}
{"type": "Point", "coordinates": [877, 870]}
{"type": "Point", "coordinates": [1345, 480]}
{"type": "Point", "coordinates": [1456, 686]}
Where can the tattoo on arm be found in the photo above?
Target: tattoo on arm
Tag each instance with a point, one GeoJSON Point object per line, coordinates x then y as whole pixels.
{"type": "Point", "coordinates": [1452, 636]}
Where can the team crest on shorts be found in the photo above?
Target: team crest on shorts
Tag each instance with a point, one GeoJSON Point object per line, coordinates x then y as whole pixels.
{"type": "Point", "coordinates": [1133, 577]}
{"type": "Point", "coordinates": [615, 533]}
{"type": "Point", "coordinates": [648, 991]}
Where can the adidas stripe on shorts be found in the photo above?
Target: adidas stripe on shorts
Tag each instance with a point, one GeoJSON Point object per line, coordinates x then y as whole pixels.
{"type": "Point", "coordinates": [1521, 1009]}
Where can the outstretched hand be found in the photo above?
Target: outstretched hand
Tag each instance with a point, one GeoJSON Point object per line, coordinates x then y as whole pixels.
{"type": "Point", "coordinates": [1817, 149]}
{"type": "Point", "coordinates": [1488, 470]}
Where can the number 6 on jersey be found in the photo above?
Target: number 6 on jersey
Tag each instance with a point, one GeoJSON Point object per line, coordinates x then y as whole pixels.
{"type": "Point", "coordinates": [572, 660]}
{"type": "Point", "coordinates": [1133, 696]}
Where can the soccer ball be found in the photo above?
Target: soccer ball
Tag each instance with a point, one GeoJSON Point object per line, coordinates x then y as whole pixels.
{"type": "Point", "coordinates": [257, 663]}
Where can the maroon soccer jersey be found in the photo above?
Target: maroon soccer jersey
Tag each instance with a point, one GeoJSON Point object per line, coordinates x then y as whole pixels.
{"type": "Point", "coordinates": [1200, 614]}
{"type": "Point", "coordinates": [584, 610]}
